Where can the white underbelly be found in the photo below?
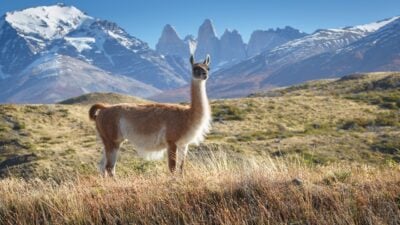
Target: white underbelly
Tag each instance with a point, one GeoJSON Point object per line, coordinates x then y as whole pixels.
{"type": "Point", "coordinates": [149, 146]}
{"type": "Point", "coordinates": [146, 143]}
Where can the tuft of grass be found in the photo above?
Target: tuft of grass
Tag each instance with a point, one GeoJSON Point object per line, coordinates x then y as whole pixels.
{"type": "Point", "coordinates": [317, 128]}
{"type": "Point", "coordinates": [3, 128]}
{"type": "Point", "coordinates": [313, 159]}
{"type": "Point", "coordinates": [214, 135]}
{"type": "Point", "coordinates": [337, 176]}
{"type": "Point", "coordinates": [388, 119]}
{"type": "Point", "coordinates": [227, 112]}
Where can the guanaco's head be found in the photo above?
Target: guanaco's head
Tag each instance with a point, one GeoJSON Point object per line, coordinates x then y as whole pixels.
{"type": "Point", "coordinates": [200, 70]}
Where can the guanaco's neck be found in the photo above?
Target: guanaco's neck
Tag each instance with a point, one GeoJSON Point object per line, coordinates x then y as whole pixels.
{"type": "Point", "coordinates": [199, 106]}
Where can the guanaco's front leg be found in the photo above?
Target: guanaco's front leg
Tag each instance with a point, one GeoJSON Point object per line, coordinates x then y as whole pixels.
{"type": "Point", "coordinates": [182, 151]}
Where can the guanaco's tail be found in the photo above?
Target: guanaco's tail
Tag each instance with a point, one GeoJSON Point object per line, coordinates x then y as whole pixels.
{"type": "Point", "coordinates": [94, 109]}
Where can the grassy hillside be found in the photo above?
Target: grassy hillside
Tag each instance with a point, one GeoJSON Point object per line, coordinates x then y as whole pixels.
{"type": "Point", "coordinates": [314, 152]}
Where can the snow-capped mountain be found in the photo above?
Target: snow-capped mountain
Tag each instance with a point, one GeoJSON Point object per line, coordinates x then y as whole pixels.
{"type": "Point", "coordinates": [41, 24]}
{"type": "Point", "coordinates": [378, 51]}
{"type": "Point", "coordinates": [53, 77]}
{"type": "Point", "coordinates": [25, 34]}
{"type": "Point", "coordinates": [256, 70]}
{"type": "Point", "coordinates": [116, 51]}
{"type": "Point", "coordinates": [30, 34]}
{"type": "Point", "coordinates": [323, 40]}
{"type": "Point", "coordinates": [263, 40]}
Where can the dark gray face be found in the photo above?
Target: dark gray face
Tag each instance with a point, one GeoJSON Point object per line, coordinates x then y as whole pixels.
{"type": "Point", "coordinates": [200, 71]}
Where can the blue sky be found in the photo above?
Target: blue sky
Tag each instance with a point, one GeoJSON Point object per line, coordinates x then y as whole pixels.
{"type": "Point", "coordinates": [146, 18]}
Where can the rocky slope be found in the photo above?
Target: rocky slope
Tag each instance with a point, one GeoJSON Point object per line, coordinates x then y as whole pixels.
{"type": "Point", "coordinates": [232, 48]}
{"type": "Point", "coordinates": [263, 40]}
{"type": "Point", "coordinates": [226, 50]}
{"type": "Point", "coordinates": [171, 44]}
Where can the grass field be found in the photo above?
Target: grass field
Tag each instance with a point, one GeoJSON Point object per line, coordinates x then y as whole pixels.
{"type": "Point", "coordinates": [323, 152]}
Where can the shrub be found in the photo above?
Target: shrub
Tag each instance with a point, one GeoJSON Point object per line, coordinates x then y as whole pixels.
{"type": "Point", "coordinates": [19, 126]}
{"type": "Point", "coordinates": [389, 145]}
{"type": "Point", "coordinates": [389, 82]}
{"type": "Point", "coordinates": [388, 105]}
{"type": "Point", "coordinates": [244, 137]}
{"type": "Point", "coordinates": [355, 124]}
{"type": "Point", "coordinates": [387, 119]}
{"type": "Point", "coordinates": [381, 120]}
{"type": "Point", "coordinates": [397, 160]}
{"type": "Point", "coordinates": [227, 112]}
{"type": "Point", "coordinates": [356, 76]}
{"type": "Point", "coordinates": [388, 99]}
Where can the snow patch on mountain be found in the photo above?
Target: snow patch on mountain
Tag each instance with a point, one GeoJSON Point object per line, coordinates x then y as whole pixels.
{"type": "Point", "coordinates": [47, 22]}
{"type": "Point", "coordinates": [191, 41]}
{"type": "Point", "coordinates": [322, 37]}
{"type": "Point", "coordinates": [81, 43]}
{"type": "Point", "coordinates": [372, 27]}
{"type": "Point", "coordinates": [382, 37]}
{"type": "Point", "coordinates": [128, 43]}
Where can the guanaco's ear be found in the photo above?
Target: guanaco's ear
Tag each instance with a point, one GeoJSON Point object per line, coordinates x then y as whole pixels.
{"type": "Point", "coordinates": [207, 60]}
{"type": "Point", "coordinates": [191, 59]}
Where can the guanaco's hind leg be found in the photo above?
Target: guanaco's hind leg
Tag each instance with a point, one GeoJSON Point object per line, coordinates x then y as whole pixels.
{"type": "Point", "coordinates": [109, 160]}
{"type": "Point", "coordinates": [102, 164]}
{"type": "Point", "coordinates": [172, 156]}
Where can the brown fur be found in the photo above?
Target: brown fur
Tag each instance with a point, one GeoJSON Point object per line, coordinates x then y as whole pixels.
{"type": "Point", "coordinates": [93, 110]}
{"type": "Point", "coordinates": [176, 123]}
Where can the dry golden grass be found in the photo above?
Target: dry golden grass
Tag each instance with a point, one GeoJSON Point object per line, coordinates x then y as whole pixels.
{"type": "Point", "coordinates": [214, 191]}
